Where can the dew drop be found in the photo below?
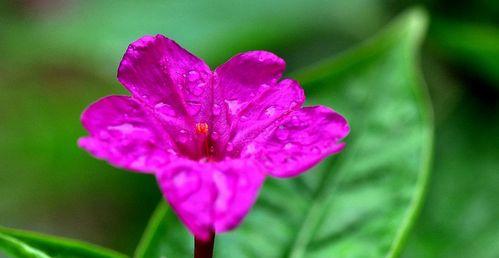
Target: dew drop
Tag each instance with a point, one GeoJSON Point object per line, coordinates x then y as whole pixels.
{"type": "Point", "coordinates": [104, 135]}
{"type": "Point", "coordinates": [282, 133]}
{"type": "Point", "coordinates": [293, 104]}
{"type": "Point", "coordinates": [288, 146]}
{"type": "Point", "coordinates": [193, 107]}
{"type": "Point", "coordinates": [233, 106]}
{"type": "Point", "coordinates": [183, 137]}
{"type": "Point", "coordinates": [295, 120]}
{"type": "Point", "coordinates": [192, 76]}
{"type": "Point", "coordinates": [270, 111]}
{"type": "Point", "coordinates": [264, 87]}
{"type": "Point", "coordinates": [139, 162]}
{"type": "Point", "coordinates": [216, 109]}
{"type": "Point", "coordinates": [125, 128]}
{"type": "Point", "coordinates": [244, 118]}
{"type": "Point", "coordinates": [268, 162]}
{"type": "Point", "coordinates": [164, 64]}
{"type": "Point", "coordinates": [164, 109]}
{"type": "Point", "coordinates": [197, 89]}
{"type": "Point", "coordinates": [251, 148]}
{"type": "Point", "coordinates": [172, 152]}
{"type": "Point", "coordinates": [180, 179]}
{"type": "Point", "coordinates": [215, 136]}
{"type": "Point", "coordinates": [230, 147]}
{"type": "Point", "coordinates": [315, 150]}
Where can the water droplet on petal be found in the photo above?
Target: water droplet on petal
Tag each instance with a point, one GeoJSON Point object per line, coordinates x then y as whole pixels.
{"type": "Point", "coordinates": [125, 128]}
{"type": "Point", "coordinates": [270, 111]}
{"type": "Point", "coordinates": [264, 87]}
{"type": "Point", "coordinates": [244, 118]}
{"type": "Point", "coordinates": [230, 147]}
{"type": "Point", "coordinates": [282, 133]}
{"type": "Point", "coordinates": [288, 146]}
{"type": "Point", "coordinates": [233, 105]}
{"type": "Point", "coordinates": [164, 109]}
{"type": "Point", "coordinates": [315, 150]}
{"type": "Point", "coordinates": [139, 162]}
{"type": "Point", "coordinates": [304, 137]}
{"type": "Point", "coordinates": [216, 109]}
{"type": "Point", "coordinates": [193, 107]}
{"type": "Point", "coordinates": [250, 149]}
{"type": "Point", "coordinates": [290, 159]}
{"type": "Point", "coordinates": [181, 179]}
{"type": "Point", "coordinates": [164, 64]}
{"type": "Point", "coordinates": [197, 89]}
{"type": "Point", "coordinates": [293, 104]}
{"type": "Point", "coordinates": [104, 135]}
{"type": "Point", "coordinates": [183, 137]}
{"type": "Point", "coordinates": [215, 136]}
{"type": "Point", "coordinates": [295, 120]}
{"type": "Point", "coordinates": [192, 76]}
{"type": "Point", "coordinates": [268, 162]}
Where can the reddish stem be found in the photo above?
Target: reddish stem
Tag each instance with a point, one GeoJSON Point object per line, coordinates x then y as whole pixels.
{"type": "Point", "coordinates": [204, 248]}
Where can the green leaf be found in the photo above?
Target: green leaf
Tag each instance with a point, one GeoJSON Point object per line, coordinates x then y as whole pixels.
{"type": "Point", "coordinates": [360, 203]}
{"type": "Point", "coordinates": [460, 215]}
{"type": "Point", "coordinates": [473, 46]}
{"type": "Point", "coordinates": [23, 244]}
{"type": "Point", "coordinates": [165, 236]}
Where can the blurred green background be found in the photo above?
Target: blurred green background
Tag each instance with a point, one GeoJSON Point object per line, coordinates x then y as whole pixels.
{"type": "Point", "coordinates": [58, 56]}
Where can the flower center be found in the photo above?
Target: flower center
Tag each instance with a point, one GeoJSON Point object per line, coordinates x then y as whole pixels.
{"type": "Point", "coordinates": [203, 130]}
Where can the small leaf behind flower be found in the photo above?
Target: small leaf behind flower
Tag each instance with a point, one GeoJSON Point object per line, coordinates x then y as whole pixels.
{"type": "Point", "coordinates": [360, 203]}
{"type": "Point", "coordinates": [23, 244]}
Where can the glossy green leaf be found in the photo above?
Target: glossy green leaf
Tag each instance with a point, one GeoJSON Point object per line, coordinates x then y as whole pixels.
{"type": "Point", "coordinates": [470, 45]}
{"type": "Point", "coordinates": [460, 215]}
{"type": "Point", "coordinates": [360, 203]}
{"type": "Point", "coordinates": [23, 244]}
{"type": "Point", "coordinates": [165, 235]}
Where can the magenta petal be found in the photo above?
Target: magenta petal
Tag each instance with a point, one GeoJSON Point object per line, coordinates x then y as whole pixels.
{"type": "Point", "coordinates": [172, 82]}
{"type": "Point", "coordinates": [122, 133]}
{"type": "Point", "coordinates": [299, 141]}
{"type": "Point", "coordinates": [240, 78]}
{"type": "Point", "coordinates": [211, 197]}
{"type": "Point", "coordinates": [271, 105]}
{"type": "Point", "coordinates": [237, 83]}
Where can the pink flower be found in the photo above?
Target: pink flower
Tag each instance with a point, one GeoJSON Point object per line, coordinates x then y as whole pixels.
{"type": "Point", "coordinates": [210, 137]}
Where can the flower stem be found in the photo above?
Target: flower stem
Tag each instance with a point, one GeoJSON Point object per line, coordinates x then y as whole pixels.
{"type": "Point", "coordinates": [204, 248]}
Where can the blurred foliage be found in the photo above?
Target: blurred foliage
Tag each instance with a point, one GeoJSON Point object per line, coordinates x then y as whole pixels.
{"type": "Point", "coordinates": [58, 56]}
{"type": "Point", "coordinates": [461, 213]}
{"type": "Point", "coordinates": [471, 46]}
{"type": "Point", "coordinates": [33, 245]}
